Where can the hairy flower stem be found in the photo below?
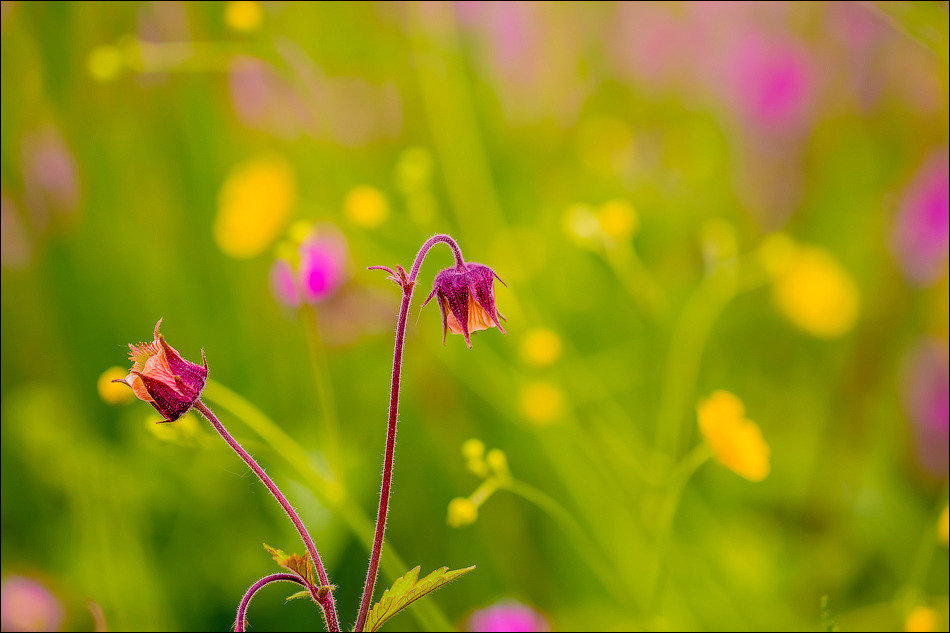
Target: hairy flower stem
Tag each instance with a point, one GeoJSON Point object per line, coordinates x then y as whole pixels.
{"type": "Point", "coordinates": [407, 285]}
{"type": "Point", "coordinates": [240, 621]}
{"type": "Point", "coordinates": [328, 604]}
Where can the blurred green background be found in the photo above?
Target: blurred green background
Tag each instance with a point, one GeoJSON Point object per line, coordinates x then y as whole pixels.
{"type": "Point", "coordinates": [681, 198]}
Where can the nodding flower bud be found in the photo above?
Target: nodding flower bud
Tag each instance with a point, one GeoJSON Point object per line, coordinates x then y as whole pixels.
{"type": "Point", "coordinates": [161, 377]}
{"type": "Point", "coordinates": [466, 297]}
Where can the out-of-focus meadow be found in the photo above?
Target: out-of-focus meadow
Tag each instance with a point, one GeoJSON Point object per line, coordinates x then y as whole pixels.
{"type": "Point", "coordinates": [721, 402]}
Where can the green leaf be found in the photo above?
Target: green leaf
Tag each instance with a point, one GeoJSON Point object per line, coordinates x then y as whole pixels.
{"type": "Point", "coordinates": [295, 563]}
{"type": "Point", "coordinates": [299, 594]}
{"type": "Point", "coordinates": [407, 590]}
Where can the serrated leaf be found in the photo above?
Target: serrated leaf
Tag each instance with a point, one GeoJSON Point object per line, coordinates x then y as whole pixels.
{"type": "Point", "coordinates": [406, 590]}
{"type": "Point", "coordinates": [295, 563]}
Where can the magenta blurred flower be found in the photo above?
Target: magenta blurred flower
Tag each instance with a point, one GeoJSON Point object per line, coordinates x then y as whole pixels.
{"type": "Point", "coordinates": [507, 615]}
{"type": "Point", "coordinates": [321, 269]}
{"type": "Point", "coordinates": [164, 22]}
{"type": "Point", "coordinates": [774, 82]}
{"type": "Point", "coordinates": [26, 605]}
{"type": "Point", "coordinates": [264, 100]}
{"type": "Point", "coordinates": [920, 234]}
{"type": "Point", "coordinates": [283, 283]}
{"type": "Point", "coordinates": [654, 43]}
{"type": "Point", "coordinates": [926, 377]}
{"type": "Point", "coordinates": [322, 265]}
{"type": "Point", "coordinates": [49, 175]}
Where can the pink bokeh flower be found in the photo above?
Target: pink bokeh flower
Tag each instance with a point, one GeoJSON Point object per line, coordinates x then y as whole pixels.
{"type": "Point", "coordinates": [920, 235]}
{"type": "Point", "coordinates": [925, 388]}
{"type": "Point", "coordinates": [773, 80]}
{"type": "Point", "coordinates": [26, 605]}
{"type": "Point", "coordinates": [507, 615]}
{"type": "Point", "coordinates": [320, 269]}
{"type": "Point", "coordinates": [264, 100]}
{"type": "Point", "coordinates": [51, 185]}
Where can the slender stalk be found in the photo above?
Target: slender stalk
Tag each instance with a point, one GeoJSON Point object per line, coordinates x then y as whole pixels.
{"type": "Point", "coordinates": [257, 586]}
{"type": "Point", "coordinates": [328, 605]}
{"type": "Point", "coordinates": [605, 572]}
{"type": "Point", "coordinates": [318, 362]}
{"type": "Point", "coordinates": [331, 493]}
{"type": "Point", "coordinates": [407, 287]}
{"type": "Point", "coordinates": [679, 477]}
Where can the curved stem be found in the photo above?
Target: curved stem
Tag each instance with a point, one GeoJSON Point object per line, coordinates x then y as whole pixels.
{"type": "Point", "coordinates": [332, 494]}
{"type": "Point", "coordinates": [407, 288]}
{"type": "Point", "coordinates": [328, 605]}
{"type": "Point", "coordinates": [257, 586]}
{"type": "Point", "coordinates": [429, 243]}
{"type": "Point", "coordinates": [604, 571]}
{"type": "Point", "coordinates": [677, 481]}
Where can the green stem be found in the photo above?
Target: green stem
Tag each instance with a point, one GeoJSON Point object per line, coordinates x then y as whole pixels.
{"type": "Point", "coordinates": [318, 361]}
{"type": "Point", "coordinates": [688, 341]}
{"type": "Point", "coordinates": [909, 593]}
{"type": "Point", "coordinates": [329, 493]}
{"type": "Point", "coordinates": [637, 280]}
{"type": "Point", "coordinates": [679, 477]}
{"type": "Point", "coordinates": [609, 577]}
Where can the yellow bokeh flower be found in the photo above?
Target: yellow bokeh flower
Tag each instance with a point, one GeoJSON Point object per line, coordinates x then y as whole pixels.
{"type": "Point", "coordinates": [366, 206]}
{"type": "Point", "coordinates": [498, 462]}
{"type": "Point", "coordinates": [922, 619]}
{"type": "Point", "coordinates": [185, 430]}
{"type": "Point", "coordinates": [254, 205]}
{"type": "Point", "coordinates": [605, 144]}
{"type": "Point", "coordinates": [413, 170]}
{"type": "Point", "coordinates": [243, 16]}
{"type": "Point", "coordinates": [105, 63]}
{"type": "Point", "coordinates": [580, 224]}
{"type": "Point", "coordinates": [462, 512]}
{"type": "Point", "coordinates": [540, 347]}
{"type": "Point", "coordinates": [114, 392]}
{"type": "Point", "coordinates": [541, 403]}
{"type": "Point", "coordinates": [812, 290]}
{"type": "Point", "coordinates": [736, 442]}
{"type": "Point", "coordinates": [473, 450]}
{"type": "Point", "coordinates": [943, 525]}
{"type": "Point", "coordinates": [618, 220]}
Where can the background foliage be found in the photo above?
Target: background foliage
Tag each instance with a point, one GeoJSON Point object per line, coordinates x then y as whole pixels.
{"type": "Point", "coordinates": [621, 166]}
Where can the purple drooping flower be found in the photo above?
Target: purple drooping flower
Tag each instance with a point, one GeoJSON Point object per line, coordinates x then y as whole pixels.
{"type": "Point", "coordinates": [920, 234]}
{"type": "Point", "coordinates": [507, 616]}
{"type": "Point", "coordinates": [466, 295]}
{"type": "Point", "coordinates": [925, 388]}
{"type": "Point", "coordinates": [26, 605]}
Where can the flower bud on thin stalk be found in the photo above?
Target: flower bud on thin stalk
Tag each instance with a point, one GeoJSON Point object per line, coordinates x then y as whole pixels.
{"type": "Point", "coordinates": [467, 300]}
{"type": "Point", "coordinates": [173, 385]}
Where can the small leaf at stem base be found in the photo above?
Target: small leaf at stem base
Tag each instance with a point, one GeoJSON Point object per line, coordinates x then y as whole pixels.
{"type": "Point", "coordinates": [406, 590]}
{"type": "Point", "coordinates": [294, 563]}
